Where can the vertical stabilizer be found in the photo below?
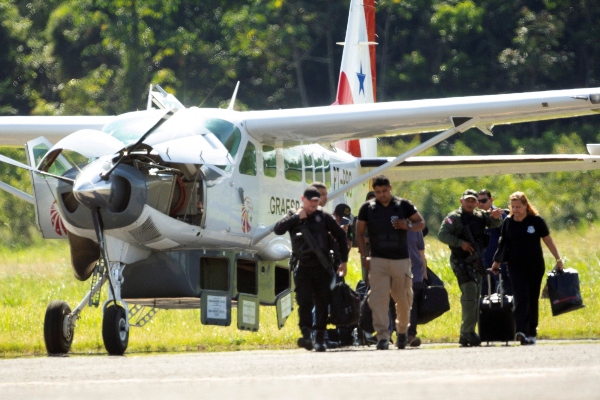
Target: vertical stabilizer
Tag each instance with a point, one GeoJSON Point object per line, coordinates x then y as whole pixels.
{"type": "Point", "coordinates": [357, 81]}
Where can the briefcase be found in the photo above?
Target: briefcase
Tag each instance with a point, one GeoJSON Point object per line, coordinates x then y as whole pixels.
{"type": "Point", "coordinates": [434, 299]}
{"type": "Point", "coordinates": [563, 290]}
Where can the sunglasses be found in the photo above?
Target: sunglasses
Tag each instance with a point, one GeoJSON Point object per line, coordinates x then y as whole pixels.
{"type": "Point", "coordinates": [483, 201]}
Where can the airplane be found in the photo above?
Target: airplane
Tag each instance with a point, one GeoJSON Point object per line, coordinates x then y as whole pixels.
{"type": "Point", "coordinates": [173, 207]}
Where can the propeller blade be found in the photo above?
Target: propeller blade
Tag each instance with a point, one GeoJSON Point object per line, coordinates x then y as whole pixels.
{"type": "Point", "coordinates": [37, 171]}
{"type": "Point", "coordinates": [132, 148]}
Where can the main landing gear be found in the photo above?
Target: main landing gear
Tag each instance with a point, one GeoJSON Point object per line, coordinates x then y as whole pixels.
{"type": "Point", "coordinates": [60, 321]}
{"type": "Point", "coordinates": [115, 329]}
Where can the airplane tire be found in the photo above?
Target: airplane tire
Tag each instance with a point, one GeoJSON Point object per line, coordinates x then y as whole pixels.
{"type": "Point", "coordinates": [114, 330]}
{"type": "Point", "coordinates": [57, 337]}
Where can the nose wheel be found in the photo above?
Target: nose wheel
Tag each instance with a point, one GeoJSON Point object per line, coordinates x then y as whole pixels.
{"type": "Point", "coordinates": [115, 331]}
{"type": "Point", "coordinates": [58, 329]}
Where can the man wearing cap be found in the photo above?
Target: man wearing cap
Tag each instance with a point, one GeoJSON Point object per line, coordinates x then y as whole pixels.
{"type": "Point", "coordinates": [388, 218]}
{"type": "Point", "coordinates": [455, 233]}
{"type": "Point", "coordinates": [343, 217]}
{"type": "Point", "coordinates": [311, 277]}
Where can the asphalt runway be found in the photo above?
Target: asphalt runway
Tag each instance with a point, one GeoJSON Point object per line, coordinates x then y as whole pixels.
{"type": "Point", "coordinates": [550, 370]}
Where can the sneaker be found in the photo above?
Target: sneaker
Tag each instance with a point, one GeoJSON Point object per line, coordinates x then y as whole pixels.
{"type": "Point", "coordinates": [532, 340]}
{"type": "Point", "coordinates": [383, 344]}
{"type": "Point", "coordinates": [401, 341]}
{"type": "Point", "coordinates": [414, 341]}
{"type": "Point", "coordinates": [524, 340]}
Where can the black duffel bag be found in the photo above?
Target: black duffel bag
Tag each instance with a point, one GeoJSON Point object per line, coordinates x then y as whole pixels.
{"type": "Point", "coordinates": [434, 299]}
{"type": "Point", "coordinates": [563, 290]}
{"type": "Point", "coordinates": [345, 305]}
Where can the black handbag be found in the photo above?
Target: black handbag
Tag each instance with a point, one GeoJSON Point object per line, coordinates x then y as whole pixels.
{"type": "Point", "coordinates": [434, 299]}
{"type": "Point", "coordinates": [345, 305]}
{"type": "Point", "coordinates": [563, 290]}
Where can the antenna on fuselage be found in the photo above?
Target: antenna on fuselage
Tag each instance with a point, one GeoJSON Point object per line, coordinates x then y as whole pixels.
{"type": "Point", "coordinates": [232, 102]}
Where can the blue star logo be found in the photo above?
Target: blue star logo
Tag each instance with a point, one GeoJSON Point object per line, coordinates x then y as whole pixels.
{"type": "Point", "coordinates": [361, 80]}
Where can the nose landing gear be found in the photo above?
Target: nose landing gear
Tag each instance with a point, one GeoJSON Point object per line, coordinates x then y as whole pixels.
{"type": "Point", "coordinates": [58, 327]}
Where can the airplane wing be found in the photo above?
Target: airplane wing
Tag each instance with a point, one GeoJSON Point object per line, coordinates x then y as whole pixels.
{"type": "Point", "coordinates": [441, 167]}
{"type": "Point", "coordinates": [15, 131]}
{"type": "Point", "coordinates": [333, 123]}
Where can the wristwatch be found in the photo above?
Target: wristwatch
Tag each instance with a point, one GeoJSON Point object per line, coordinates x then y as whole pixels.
{"type": "Point", "coordinates": [409, 224]}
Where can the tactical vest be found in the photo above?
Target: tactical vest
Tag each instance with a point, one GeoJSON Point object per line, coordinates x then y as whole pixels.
{"type": "Point", "coordinates": [477, 224]}
{"type": "Point", "coordinates": [302, 250]}
{"type": "Point", "coordinates": [383, 238]}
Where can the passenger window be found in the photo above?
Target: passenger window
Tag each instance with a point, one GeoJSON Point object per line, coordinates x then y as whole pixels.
{"type": "Point", "coordinates": [308, 168]}
{"type": "Point", "coordinates": [248, 162]}
{"type": "Point", "coordinates": [319, 168]}
{"type": "Point", "coordinates": [269, 161]}
{"type": "Point", "coordinates": [327, 171]}
{"type": "Point", "coordinates": [292, 162]}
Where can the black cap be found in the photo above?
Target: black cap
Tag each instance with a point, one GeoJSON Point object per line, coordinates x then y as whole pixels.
{"type": "Point", "coordinates": [370, 194]}
{"type": "Point", "coordinates": [343, 210]}
{"type": "Point", "coordinates": [469, 193]}
{"type": "Point", "coordinates": [312, 193]}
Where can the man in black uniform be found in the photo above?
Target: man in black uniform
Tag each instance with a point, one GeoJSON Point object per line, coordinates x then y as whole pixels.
{"type": "Point", "coordinates": [311, 277]}
{"type": "Point", "coordinates": [388, 218]}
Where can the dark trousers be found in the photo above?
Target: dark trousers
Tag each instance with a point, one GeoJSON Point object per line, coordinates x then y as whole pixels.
{"type": "Point", "coordinates": [312, 290]}
{"type": "Point", "coordinates": [526, 286]}
{"type": "Point", "coordinates": [414, 311]}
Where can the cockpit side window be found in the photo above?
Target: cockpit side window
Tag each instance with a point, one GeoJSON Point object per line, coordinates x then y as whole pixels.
{"type": "Point", "coordinates": [248, 161]}
{"type": "Point", "coordinates": [227, 133]}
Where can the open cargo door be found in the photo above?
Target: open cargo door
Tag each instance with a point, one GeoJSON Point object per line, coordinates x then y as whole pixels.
{"type": "Point", "coordinates": [48, 219]}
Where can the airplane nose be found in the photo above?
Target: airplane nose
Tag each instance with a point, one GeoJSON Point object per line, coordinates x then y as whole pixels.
{"type": "Point", "coordinates": [90, 189]}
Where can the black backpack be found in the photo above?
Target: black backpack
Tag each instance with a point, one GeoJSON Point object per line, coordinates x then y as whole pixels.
{"type": "Point", "coordinates": [345, 305]}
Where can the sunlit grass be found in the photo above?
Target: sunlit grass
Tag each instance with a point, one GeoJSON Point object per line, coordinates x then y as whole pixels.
{"type": "Point", "coordinates": [30, 279]}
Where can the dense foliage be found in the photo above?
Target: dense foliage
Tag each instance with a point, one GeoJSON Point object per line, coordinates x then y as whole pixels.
{"type": "Point", "coordinates": [66, 57]}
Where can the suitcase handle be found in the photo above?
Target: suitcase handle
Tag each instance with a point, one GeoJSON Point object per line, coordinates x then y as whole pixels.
{"type": "Point", "coordinates": [499, 291]}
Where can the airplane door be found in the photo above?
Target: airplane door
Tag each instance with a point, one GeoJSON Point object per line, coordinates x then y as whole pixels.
{"type": "Point", "coordinates": [48, 219]}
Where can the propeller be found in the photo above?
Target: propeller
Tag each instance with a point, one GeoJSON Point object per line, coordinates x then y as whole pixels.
{"type": "Point", "coordinates": [131, 149]}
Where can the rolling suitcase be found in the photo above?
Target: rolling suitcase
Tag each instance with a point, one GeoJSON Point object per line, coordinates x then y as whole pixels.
{"type": "Point", "coordinates": [496, 322]}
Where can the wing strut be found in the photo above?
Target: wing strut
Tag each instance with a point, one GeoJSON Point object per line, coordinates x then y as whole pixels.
{"type": "Point", "coordinates": [401, 158]}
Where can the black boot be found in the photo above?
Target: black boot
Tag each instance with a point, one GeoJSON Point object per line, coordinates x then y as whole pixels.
{"type": "Point", "coordinates": [319, 341]}
{"type": "Point", "coordinates": [305, 341]}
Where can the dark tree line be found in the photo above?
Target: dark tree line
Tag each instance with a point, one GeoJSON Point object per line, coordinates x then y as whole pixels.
{"type": "Point", "coordinates": [81, 57]}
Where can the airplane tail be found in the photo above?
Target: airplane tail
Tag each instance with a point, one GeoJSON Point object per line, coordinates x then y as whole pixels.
{"type": "Point", "coordinates": [357, 81]}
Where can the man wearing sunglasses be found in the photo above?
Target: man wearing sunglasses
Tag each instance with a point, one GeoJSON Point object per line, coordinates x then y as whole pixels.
{"type": "Point", "coordinates": [456, 230]}
{"type": "Point", "coordinates": [485, 202]}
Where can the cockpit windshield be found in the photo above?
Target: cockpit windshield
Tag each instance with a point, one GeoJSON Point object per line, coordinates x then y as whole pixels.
{"type": "Point", "coordinates": [129, 128]}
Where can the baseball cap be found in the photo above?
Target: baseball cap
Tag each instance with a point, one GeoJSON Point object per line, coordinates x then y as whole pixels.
{"type": "Point", "coordinates": [469, 194]}
{"type": "Point", "coordinates": [343, 210]}
{"type": "Point", "coordinates": [312, 193]}
{"type": "Point", "coordinates": [370, 194]}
